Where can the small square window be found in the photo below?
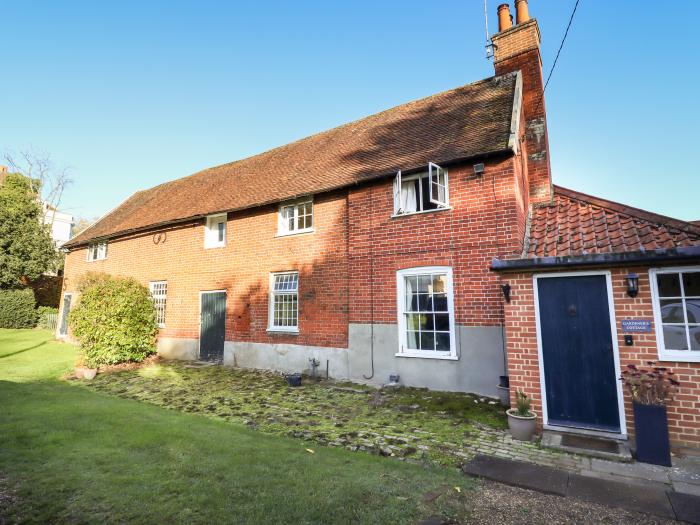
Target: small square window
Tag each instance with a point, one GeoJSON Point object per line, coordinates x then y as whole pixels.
{"type": "Point", "coordinates": [296, 217]}
{"type": "Point", "coordinates": [97, 251]}
{"type": "Point", "coordinates": [215, 231]}
{"type": "Point", "coordinates": [419, 192]}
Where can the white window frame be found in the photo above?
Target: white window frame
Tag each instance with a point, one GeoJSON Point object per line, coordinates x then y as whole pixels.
{"type": "Point", "coordinates": [686, 356]}
{"type": "Point", "coordinates": [151, 287]}
{"type": "Point", "coordinates": [211, 230]}
{"type": "Point", "coordinates": [282, 224]}
{"type": "Point", "coordinates": [99, 255]}
{"type": "Point", "coordinates": [433, 174]}
{"type": "Point", "coordinates": [271, 327]}
{"type": "Point", "coordinates": [400, 309]}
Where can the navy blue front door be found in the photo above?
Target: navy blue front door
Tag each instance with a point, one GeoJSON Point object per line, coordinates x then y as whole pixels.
{"type": "Point", "coordinates": [577, 352]}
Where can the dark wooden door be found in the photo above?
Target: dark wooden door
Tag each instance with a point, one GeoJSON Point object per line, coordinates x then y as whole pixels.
{"type": "Point", "coordinates": [213, 326]}
{"type": "Point", "coordinates": [577, 352]}
{"type": "Point", "coordinates": [63, 330]}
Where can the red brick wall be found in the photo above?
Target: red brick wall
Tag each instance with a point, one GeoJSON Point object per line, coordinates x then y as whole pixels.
{"type": "Point", "coordinates": [683, 411]}
{"type": "Point", "coordinates": [242, 268]}
{"type": "Point", "coordinates": [486, 221]}
{"type": "Point", "coordinates": [355, 238]}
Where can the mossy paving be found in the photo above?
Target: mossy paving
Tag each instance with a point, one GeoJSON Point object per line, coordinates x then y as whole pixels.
{"type": "Point", "coordinates": [408, 423]}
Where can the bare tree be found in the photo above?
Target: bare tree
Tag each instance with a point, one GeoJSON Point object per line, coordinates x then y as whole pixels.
{"type": "Point", "coordinates": [48, 180]}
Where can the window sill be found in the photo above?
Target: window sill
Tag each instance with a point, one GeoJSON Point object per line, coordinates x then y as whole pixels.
{"type": "Point", "coordinates": [296, 232]}
{"type": "Point", "coordinates": [214, 246]}
{"type": "Point", "coordinates": [425, 355]}
{"type": "Point", "coordinates": [397, 215]}
{"type": "Point", "coordinates": [97, 260]}
{"type": "Point", "coordinates": [283, 331]}
{"type": "Point", "coordinates": [682, 356]}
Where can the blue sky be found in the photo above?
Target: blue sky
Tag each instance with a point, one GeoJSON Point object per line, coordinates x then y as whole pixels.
{"type": "Point", "coordinates": [132, 94]}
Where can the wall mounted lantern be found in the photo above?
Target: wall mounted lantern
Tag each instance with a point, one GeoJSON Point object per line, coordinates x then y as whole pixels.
{"type": "Point", "coordinates": [632, 284]}
{"type": "Point", "coordinates": [505, 288]}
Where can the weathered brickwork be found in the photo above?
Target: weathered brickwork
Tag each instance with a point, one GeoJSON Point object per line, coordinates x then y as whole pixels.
{"type": "Point", "coordinates": [356, 242]}
{"type": "Point", "coordinates": [518, 49]}
{"type": "Point", "coordinates": [242, 268]}
{"type": "Point", "coordinates": [486, 219]}
{"type": "Point", "coordinates": [683, 411]}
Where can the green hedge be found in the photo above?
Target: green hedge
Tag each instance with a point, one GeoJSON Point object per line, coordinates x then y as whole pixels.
{"type": "Point", "coordinates": [114, 320]}
{"type": "Point", "coordinates": [17, 309]}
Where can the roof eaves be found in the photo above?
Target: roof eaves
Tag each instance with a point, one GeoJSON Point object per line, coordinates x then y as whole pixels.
{"type": "Point", "coordinates": [679, 254]}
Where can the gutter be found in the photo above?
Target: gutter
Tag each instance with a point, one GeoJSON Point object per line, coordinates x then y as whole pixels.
{"type": "Point", "coordinates": [680, 254]}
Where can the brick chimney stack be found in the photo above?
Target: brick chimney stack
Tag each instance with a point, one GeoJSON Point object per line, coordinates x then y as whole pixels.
{"type": "Point", "coordinates": [517, 48]}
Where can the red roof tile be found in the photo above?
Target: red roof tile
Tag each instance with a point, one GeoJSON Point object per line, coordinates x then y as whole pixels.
{"type": "Point", "coordinates": [466, 122]}
{"type": "Point", "coordinates": [579, 224]}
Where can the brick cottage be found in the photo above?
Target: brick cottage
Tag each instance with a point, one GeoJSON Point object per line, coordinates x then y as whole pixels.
{"type": "Point", "coordinates": [428, 242]}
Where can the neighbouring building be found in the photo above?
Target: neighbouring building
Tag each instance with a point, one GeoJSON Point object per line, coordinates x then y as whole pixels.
{"type": "Point", "coordinates": [428, 242]}
{"type": "Point", "coordinates": [61, 224]}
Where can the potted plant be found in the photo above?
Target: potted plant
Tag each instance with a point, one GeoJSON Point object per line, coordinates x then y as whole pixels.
{"type": "Point", "coordinates": [521, 420]}
{"type": "Point", "coordinates": [650, 389]}
{"type": "Point", "coordinates": [82, 370]}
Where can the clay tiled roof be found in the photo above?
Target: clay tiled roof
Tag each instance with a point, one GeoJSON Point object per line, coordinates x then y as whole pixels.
{"type": "Point", "coordinates": [466, 122]}
{"type": "Point", "coordinates": [579, 224]}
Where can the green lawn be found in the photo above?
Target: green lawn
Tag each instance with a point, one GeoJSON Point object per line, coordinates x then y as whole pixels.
{"type": "Point", "coordinates": [69, 454]}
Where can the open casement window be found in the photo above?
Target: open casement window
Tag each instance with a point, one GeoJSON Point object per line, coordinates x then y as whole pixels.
{"type": "Point", "coordinates": [97, 251]}
{"type": "Point", "coordinates": [676, 302]}
{"type": "Point", "coordinates": [159, 291]}
{"type": "Point", "coordinates": [438, 184]}
{"type": "Point", "coordinates": [284, 302]}
{"type": "Point", "coordinates": [215, 231]}
{"type": "Point", "coordinates": [421, 192]}
{"type": "Point", "coordinates": [426, 313]}
{"type": "Point", "coordinates": [296, 217]}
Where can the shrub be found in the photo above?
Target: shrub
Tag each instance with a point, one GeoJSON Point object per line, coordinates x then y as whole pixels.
{"type": "Point", "coordinates": [114, 320]}
{"type": "Point", "coordinates": [652, 386]}
{"type": "Point", "coordinates": [17, 309]}
{"type": "Point", "coordinates": [44, 312]}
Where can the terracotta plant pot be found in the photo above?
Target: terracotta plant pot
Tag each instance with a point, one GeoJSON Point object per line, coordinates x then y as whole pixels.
{"type": "Point", "coordinates": [78, 371]}
{"type": "Point", "coordinates": [521, 428]}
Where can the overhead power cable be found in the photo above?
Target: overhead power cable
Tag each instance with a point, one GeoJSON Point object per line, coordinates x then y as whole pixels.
{"type": "Point", "coordinates": [556, 58]}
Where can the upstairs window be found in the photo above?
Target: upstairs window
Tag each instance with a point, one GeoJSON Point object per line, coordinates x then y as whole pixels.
{"type": "Point", "coordinates": [159, 291]}
{"type": "Point", "coordinates": [284, 302]}
{"type": "Point", "coordinates": [676, 301]}
{"type": "Point", "coordinates": [97, 251]}
{"type": "Point", "coordinates": [296, 217]}
{"type": "Point", "coordinates": [421, 192]}
{"type": "Point", "coordinates": [215, 231]}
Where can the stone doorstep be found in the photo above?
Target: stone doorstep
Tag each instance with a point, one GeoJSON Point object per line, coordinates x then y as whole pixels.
{"type": "Point", "coordinates": [651, 497]}
{"type": "Point", "coordinates": [554, 440]}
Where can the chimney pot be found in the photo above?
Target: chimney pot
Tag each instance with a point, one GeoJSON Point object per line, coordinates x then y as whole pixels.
{"type": "Point", "coordinates": [505, 20]}
{"type": "Point", "coordinates": [521, 11]}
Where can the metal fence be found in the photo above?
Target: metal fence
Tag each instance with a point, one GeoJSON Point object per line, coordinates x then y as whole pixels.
{"type": "Point", "coordinates": [49, 321]}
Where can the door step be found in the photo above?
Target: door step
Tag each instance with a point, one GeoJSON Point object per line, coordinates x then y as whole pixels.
{"type": "Point", "coordinates": [201, 364]}
{"type": "Point", "coordinates": [587, 445]}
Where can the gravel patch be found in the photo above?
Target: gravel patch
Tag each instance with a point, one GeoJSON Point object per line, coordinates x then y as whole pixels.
{"type": "Point", "coordinates": [492, 503]}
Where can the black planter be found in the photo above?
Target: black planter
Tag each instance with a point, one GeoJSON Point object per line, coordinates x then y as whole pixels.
{"type": "Point", "coordinates": [293, 379]}
{"type": "Point", "coordinates": [651, 434]}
